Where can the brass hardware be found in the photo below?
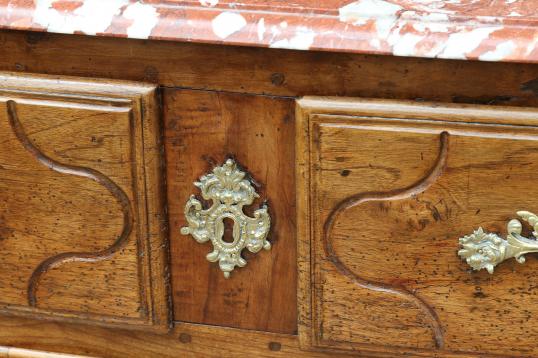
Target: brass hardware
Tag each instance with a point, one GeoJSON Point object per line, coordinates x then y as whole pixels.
{"type": "Point", "coordinates": [229, 191]}
{"type": "Point", "coordinates": [486, 250]}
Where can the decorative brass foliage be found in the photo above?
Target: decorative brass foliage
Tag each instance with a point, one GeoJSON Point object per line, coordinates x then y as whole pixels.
{"type": "Point", "coordinates": [486, 250]}
{"type": "Point", "coordinates": [229, 191]}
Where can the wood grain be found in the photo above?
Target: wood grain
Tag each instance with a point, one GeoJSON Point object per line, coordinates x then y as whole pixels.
{"type": "Point", "coordinates": [269, 71]}
{"type": "Point", "coordinates": [201, 130]}
{"type": "Point", "coordinates": [203, 123]}
{"type": "Point", "coordinates": [76, 158]}
{"type": "Point", "coordinates": [186, 340]}
{"type": "Point", "coordinates": [385, 222]}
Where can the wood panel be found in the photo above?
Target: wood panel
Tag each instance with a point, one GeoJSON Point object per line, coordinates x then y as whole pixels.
{"type": "Point", "coordinates": [270, 71]}
{"type": "Point", "coordinates": [242, 70]}
{"type": "Point", "coordinates": [388, 198]}
{"type": "Point", "coordinates": [186, 340]}
{"type": "Point", "coordinates": [81, 210]}
{"type": "Point", "coordinates": [202, 129]}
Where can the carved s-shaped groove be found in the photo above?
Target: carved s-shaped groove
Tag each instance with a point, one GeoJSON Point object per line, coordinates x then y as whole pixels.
{"type": "Point", "coordinates": [89, 173]}
{"type": "Point", "coordinates": [399, 194]}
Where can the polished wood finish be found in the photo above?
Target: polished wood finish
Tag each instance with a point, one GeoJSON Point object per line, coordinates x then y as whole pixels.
{"type": "Point", "coordinates": [202, 129]}
{"type": "Point", "coordinates": [81, 236]}
{"type": "Point", "coordinates": [218, 101]}
{"type": "Point", "coordinates": [270, 71]}
{"type": "Point", "coordinates": [386, 189]}
{"type": "Point", "coordinates": [186, 340]}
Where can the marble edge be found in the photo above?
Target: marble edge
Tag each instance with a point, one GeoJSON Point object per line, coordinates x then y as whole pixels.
{"type": "Point", "coordinates": [388, 30]}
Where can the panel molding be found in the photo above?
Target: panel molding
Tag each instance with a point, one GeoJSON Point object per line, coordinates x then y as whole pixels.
{"type": "Point", "coordinates": [141, 205]}
{"type": "Point", "coordinates": [318, 216]}
{"type": "Point", "coordinates": [420, 186]}
{"type": "Point", "coordinates": [89, 173]}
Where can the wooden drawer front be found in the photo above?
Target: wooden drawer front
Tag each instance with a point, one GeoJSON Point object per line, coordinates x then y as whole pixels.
{"type": "Point", "coordinates": [385, 191]}
{"type": "Point", "coordinates": [80, 201]}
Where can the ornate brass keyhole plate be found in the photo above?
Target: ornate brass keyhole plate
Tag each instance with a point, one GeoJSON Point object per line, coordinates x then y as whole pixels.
{"type": "Point", "coordinates": [229, 191]}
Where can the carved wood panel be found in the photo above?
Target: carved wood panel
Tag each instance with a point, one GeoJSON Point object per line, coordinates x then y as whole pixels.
{"type": "Point", "coordinates": [81, 214]}
{"type": "Point", "coordinates": [387, 188]}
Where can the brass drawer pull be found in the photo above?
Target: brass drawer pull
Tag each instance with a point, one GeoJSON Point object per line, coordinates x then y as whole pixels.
{"type": "Point", "coordinates": [486, 250]}
{"type": "Point", "coordinates": [227, 187]}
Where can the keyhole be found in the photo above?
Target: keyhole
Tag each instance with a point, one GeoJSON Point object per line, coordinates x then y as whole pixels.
{"type": "Point", "coordinates": [228, 235]}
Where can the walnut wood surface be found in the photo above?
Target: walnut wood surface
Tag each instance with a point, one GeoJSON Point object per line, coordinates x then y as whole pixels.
{"type": "Point", "coordinates": [202, 129]}
{"type": "Point", "coordinates": [185, 340]}
{"type": "Point", "coordinates": [176, 67]}
{"type": "Point", "coordinates": [386, 201]}
{"type": "Point", "coordinates": [79, 234]}
{"type": "Point", "coordinates": [270, 71]}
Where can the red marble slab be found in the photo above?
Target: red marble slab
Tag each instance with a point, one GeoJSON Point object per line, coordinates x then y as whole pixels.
{"type": "Point", "coordinates": [487, 30]}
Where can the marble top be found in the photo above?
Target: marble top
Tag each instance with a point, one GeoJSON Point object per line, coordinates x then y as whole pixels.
{"type": "Point", "coordinates": [486, 30]}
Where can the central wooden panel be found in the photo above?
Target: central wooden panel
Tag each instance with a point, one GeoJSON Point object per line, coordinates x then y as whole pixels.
{"type": "Point", "coordinates": [202, 129]}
